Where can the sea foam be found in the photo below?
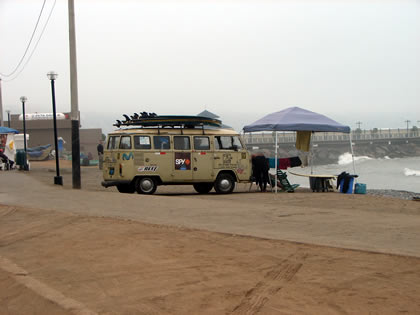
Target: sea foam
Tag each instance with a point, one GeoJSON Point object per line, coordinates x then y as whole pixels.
{"type": "Point", "coordinates": [346, 158]}
{"type": "Point", "coordinates": [409, 172]}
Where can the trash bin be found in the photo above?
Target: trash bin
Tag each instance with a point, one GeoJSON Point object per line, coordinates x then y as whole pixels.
{"type": "Point", "coordinates": [20, 157]}
{"type": "Point", "coordinates": [350, 185]}
{"type": "Point", "coordinates": [85, 161]}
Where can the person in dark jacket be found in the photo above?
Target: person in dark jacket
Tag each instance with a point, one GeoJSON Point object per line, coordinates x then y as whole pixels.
{"type": "Point", "coordinates": [100, 149]}
{"type": "Point", "coordinates": [260, 168]}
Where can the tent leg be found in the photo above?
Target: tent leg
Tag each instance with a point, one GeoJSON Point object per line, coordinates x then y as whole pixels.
{"type": "Point", "coordinates": [311, 154]}
{"type": "Point", "coordinates": [275, 165]}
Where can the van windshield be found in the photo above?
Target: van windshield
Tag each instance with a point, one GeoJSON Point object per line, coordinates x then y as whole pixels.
{"type": "Point", "coordinates": [113, 142]}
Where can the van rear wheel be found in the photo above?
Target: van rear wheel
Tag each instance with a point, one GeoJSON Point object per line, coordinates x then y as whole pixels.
{"type": "Point", "coordinates": [203, 188]}
{"type": "Point", "coordinates": [146, 185]}
{"type": "Point", "coordinates": [224, 184]}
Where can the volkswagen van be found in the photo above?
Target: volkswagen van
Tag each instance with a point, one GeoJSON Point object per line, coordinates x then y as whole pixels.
{"type": "Point", "coordinates": [141, 159]}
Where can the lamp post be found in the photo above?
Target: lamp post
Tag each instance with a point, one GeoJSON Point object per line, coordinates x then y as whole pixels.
{"type": "Point", "coordinates": [58, 180]}
{"type": "Point", "coordinates": [8, 117]}
{"type": "Point", "coordinates": [23, 99]}
{"type": "Point", "coordinates": [407, 121]}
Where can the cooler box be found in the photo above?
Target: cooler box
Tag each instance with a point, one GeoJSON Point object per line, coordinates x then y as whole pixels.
{"type": "Point", "coordinates": [360, 188]}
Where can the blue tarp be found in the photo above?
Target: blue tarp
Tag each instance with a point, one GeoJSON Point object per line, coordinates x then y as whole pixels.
{"type": "Point", "coordinates": [37, 152]}
{"type": "Point", "coordinates": [8, 130]}
{"type": "Point", "coordinates": [296, 119]}
{"type": "Point", "coordinates": [39, 148]}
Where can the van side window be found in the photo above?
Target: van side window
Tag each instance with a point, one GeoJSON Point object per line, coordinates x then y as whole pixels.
{"type": "Point", "coordinates": [142, 142]}
{"type": "Point", "coordinates": [201, 143]}
{"type": "Point", "coordinates": [113, 142]}
{"type": "Point", "coordinates": [161, 142]}
{"type": "Point", "coordinates": [227, 143]}
{"type": "Point", "coordinates": [182, 143]}
{"type": "Point", "coordinates": [125, 143]}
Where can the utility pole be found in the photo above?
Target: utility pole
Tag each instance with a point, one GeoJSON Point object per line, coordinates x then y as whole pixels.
{"type": "Point", "coordinates": [1, 108]}
{"type": "Point", "coordinates": [75, 140]}
{"type": "Point", "coordinates": [358, 124]}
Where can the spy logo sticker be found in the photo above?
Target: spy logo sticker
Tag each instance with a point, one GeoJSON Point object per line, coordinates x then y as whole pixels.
{"type": "Point", "coordinates": [182, 161]}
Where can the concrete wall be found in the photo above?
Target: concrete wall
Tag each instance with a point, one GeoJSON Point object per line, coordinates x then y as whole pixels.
{"type": "Point", "coordinates": [41, 132]}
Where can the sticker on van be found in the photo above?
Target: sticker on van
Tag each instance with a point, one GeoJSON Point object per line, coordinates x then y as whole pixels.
{"type": "Point", "coordinates": [148, 168]}
{"type": "Point", "coordinates": [183, 161]}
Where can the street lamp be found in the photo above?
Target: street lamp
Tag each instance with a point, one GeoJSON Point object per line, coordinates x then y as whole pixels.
{"type": "Point", "coordinates": [8, 117]}
{"type": "Point", "coordinates": [58, 180]}
{"type": "Point", "coordinates": [407, 121]}
{"type": "Point", "coordinates": [23, 99]}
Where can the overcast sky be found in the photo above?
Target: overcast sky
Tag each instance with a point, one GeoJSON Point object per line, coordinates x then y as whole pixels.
{"type": "Point", "coordinates": [350, 60]}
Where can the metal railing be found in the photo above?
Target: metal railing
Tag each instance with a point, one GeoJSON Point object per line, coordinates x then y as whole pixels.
{"type": "Point", "coordinates": [357, 135]}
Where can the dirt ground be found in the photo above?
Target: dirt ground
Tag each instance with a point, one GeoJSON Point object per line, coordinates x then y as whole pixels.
{"type": "Point", "coordinates": [79, 262]}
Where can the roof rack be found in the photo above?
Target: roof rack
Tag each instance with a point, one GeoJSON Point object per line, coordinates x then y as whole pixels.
{"type": "Point", "coordinates": [153, 120]}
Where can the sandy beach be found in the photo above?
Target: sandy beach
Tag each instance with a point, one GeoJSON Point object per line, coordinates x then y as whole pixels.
{"type": "Point", "coordinates": [95, 251]}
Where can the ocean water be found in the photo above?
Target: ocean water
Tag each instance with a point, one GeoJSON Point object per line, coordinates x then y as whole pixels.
{"type": "Point", "coordinates": [386, 173]}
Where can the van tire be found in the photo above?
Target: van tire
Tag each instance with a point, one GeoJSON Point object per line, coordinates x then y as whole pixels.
{"type": "Point", "coordinates": [126, 188]}
{"type": "Point", "coordinates": [146, 185]}
{"type": "Point", "coordinates": [203, 188]}
{"type": "Point", "coordinates": [224, 184]}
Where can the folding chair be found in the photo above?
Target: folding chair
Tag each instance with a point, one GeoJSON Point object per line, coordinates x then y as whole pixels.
{"type": "Point", "coordinates": [282, 182]}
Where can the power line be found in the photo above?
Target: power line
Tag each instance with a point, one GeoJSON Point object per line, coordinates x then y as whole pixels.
{"type": "Point", "coordinates": [36, 45]}
{"type": "Point", "coordinates": [29, 44]}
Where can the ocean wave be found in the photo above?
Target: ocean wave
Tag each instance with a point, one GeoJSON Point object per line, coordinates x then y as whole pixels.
{"type": "Point", "coordinates": [409, 172]}
{"type": "Point", "coordinates": [347, 159]}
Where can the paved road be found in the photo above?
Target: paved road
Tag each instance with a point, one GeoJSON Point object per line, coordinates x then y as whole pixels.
{"type": "Point", "coordinates": [333, 219]}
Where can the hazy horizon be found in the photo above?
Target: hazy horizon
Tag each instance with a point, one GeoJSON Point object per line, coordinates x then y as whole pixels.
{"type": "Point", "coordinates": [349, 60]}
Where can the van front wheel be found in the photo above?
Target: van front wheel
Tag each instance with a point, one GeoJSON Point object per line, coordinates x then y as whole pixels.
{"type": "Point", "coordinates": [146, 185]}
{"type": "Point", "coordinates": [203, 188]}
{"type": "Point", "coordinates": [224, 184]}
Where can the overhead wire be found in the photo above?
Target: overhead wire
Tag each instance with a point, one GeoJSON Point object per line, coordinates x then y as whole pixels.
{"type": "Point", "coordinates": [36, 44]}
{"type": "Point", "coordinates": [29, 44]}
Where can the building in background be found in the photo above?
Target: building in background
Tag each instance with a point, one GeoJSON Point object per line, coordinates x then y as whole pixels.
{"type": "Point", "coordinates": [40, 127]}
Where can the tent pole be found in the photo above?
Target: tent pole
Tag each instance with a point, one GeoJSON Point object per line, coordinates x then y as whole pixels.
{"type": "Point", "coordinates": [275, 165]}
{"type": "Point", "coordinates": [352, 153]}
{"type": "Point", "coordinates": [311, 154]}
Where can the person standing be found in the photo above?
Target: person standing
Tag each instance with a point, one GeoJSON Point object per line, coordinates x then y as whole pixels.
{"type": "Point", "coordinates": [100, 149]}
{"type": "Point", "coordinates": [260, 168]}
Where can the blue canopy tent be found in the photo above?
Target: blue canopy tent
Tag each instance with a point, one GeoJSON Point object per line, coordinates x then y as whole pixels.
{"type": "Point", "coordinates": [298, 119]}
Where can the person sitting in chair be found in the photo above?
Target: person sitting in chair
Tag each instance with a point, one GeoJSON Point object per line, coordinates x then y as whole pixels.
{"type": "Point", "coordinates": [5, 160]}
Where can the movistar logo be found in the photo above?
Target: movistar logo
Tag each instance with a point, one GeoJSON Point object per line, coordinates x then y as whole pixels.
{"type": "Point", "coordinates": [128, 156]}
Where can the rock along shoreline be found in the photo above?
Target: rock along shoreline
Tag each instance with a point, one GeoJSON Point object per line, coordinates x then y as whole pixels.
{"type": "Point", "coordinates": [400, 194]}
